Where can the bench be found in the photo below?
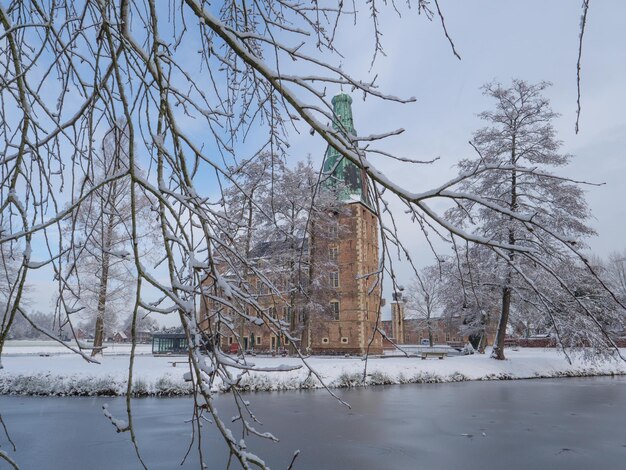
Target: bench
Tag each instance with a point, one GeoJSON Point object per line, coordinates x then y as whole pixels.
{"type": "Point", "coordinates": [437, 354]}
{"type": "Point", "coordinates": [177, 362]}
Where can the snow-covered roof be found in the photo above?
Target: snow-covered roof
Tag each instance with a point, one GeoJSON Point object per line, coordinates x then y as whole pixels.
{"type": "Point", "coordinates": [276, 247]}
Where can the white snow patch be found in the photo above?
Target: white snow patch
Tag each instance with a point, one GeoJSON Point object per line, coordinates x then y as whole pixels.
{"type": "Point", "coordinates": [26, 373]}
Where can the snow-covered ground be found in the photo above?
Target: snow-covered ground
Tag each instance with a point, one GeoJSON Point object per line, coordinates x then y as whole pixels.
{"type": "Point", "coordinates": [37, 347]}
{"type": "Point", "coordinates": [60, 373]}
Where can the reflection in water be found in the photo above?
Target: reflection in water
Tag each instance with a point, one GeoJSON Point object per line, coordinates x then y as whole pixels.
{"type": "Point", "coordinates": [556, 424]}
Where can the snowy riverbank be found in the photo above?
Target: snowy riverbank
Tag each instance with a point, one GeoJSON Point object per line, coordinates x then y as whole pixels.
{"type": "Point", "coordinates": [25, 372]}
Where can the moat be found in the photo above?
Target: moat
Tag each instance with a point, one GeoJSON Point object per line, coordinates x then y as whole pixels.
{"type": "Point", "coordinates": [549, 423]}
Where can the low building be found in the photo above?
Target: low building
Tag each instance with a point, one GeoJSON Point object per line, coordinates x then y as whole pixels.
{"type": "Point", "coordinates": [405, 328]}
{"type": "Point", "coordinates": [169, 344]}
{"type": "Point", "coordinates": [141, 336]}
{"type": "Point", "coordinates": [119, 337]}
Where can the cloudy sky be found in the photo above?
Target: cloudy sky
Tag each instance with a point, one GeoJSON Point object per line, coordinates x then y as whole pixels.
{"type": "Point", "coordinates": [497, 40]}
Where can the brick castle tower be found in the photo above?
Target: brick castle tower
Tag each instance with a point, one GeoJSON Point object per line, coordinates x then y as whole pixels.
{"type": "Point", "coordinates": [356, 297]}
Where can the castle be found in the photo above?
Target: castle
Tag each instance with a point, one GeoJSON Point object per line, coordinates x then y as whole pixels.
{"type": "Point", "coordinates": [352, 298]}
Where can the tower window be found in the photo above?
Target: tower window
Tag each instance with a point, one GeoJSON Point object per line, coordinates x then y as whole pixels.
{"type": "Point", "coordinates": [333, 230]}
{"type": "Point", "coordinates": [261, 288]}
{"type": "Point", "coordinates": [287, 313]}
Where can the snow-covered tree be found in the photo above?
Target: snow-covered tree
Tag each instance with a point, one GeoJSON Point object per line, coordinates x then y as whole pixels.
{"type": "Point", "coordinates": [143, 322]}
{"type": "Point", "coordinates": [615, 273]}
{"type": "Point", "coordinates": [467, 292]}
{"type": "Point", "coordinates": [22, 328]}
{"type": "Point", "coordinates": [9, 265]}
{"type": "Point", "coordinates": [543, 212]}
{"type": "Point", "coordinates": [71, 70]}
{"type": "Point", "coordinates": [275, 232]}
{"type": "Point", "coordinates": [100, 266]}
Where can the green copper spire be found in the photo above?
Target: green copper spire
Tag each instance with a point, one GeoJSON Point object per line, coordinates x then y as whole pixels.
{"type": "Point", "coordinates": [338, 168]}
{"type": "Point", "coordinates": [342, 108]}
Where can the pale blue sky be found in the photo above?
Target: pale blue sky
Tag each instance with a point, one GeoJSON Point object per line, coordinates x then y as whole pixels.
{"type": "Point", "coordinates": [498, 40]}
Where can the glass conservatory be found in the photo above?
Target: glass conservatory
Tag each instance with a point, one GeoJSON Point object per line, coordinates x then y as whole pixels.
{"type": "Point", "coordinates": [169, 343]}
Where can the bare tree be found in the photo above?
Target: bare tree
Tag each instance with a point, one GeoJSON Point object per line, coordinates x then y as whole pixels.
{"type": "Point", "coordinates": [615, 272]}
{"type": "Point", "coordinates": [144, 322]}
{"type": "Point", "coordinates": [9, 265]}
{"type": "Point", "coordinates": [100, 267]}
{"type": "Point", "coordinates": [424, 298]}
{"type": "Point", "coordinates": [468, 292]}
{"type": "Point", "coordinates": [277, 232]}
{"type": "Point", "coordinates": [246, 218]}
{"type": "Point", "coordinates": [71, 70]}
{"type": "Point", "coordinates": [22, 329]}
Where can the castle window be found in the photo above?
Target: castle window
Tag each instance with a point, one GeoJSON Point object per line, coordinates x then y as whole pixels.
{"type": "Point", "coordinates": [261, 288]}
{"type": "Point", "coordinates": [333, 230]}
{"type": "Point", "coordinates": [334, 279]}
{"type": "Point", "coordinates": [258, 340]}
{"type": "Point", "coordinates": [334, 309]}
{"type": "Point", "coordinates": [333, 252]}
{"type": "Point", "coordinates": [344, 340]}
{"type": "Point", "coordinates": [287, 313]}
{"type": "Point", "coordinates": [273, 312]}
{"type": "Point", "coordinates": [325, 340]}
{"type": "Point", "coordinates": [230, 340]}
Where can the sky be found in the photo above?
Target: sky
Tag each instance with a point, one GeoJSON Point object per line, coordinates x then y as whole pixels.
{"type": "Point", "coordinates": [530, 40]}
{"type": "Point", "coordinates": [497, 41]}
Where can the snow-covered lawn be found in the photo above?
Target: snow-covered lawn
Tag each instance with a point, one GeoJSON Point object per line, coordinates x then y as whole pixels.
{"type": "Point", "coordinates": [25, 372]}
{"type": "Point", "coordinates": [37, 347]}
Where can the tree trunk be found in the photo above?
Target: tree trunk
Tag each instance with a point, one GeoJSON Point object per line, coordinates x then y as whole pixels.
{"type": "Point", "coordinates": [102, 299]}
{"type": "Point", "coordinates": [430, 332]}
{"type": "Point", "coordinates": [98, 338]}
{"type": "Point", "coordinates": [498, 345]}
{"type": "Point", "coordinates": [242, 320]}
{"type": "Point", "coordinates": [482, 343]}
{"type": "Point", "coordinates": [292, 284]}
{"type": "Point", "coordinates": [305, 337]}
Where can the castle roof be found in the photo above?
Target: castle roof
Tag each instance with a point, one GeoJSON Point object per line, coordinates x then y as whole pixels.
{"type": "Point", "coordinates": [276, 248]}
{"type": "Point", "coordinates": [341, 172]}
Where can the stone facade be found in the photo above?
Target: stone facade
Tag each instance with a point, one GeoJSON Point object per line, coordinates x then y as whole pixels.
{"type": "Point", "coordinates": [397, 319]}
{"type": "Point", "coordinates": [357, 255]}
{"type": "Point", "coordinates": [446, 329]}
